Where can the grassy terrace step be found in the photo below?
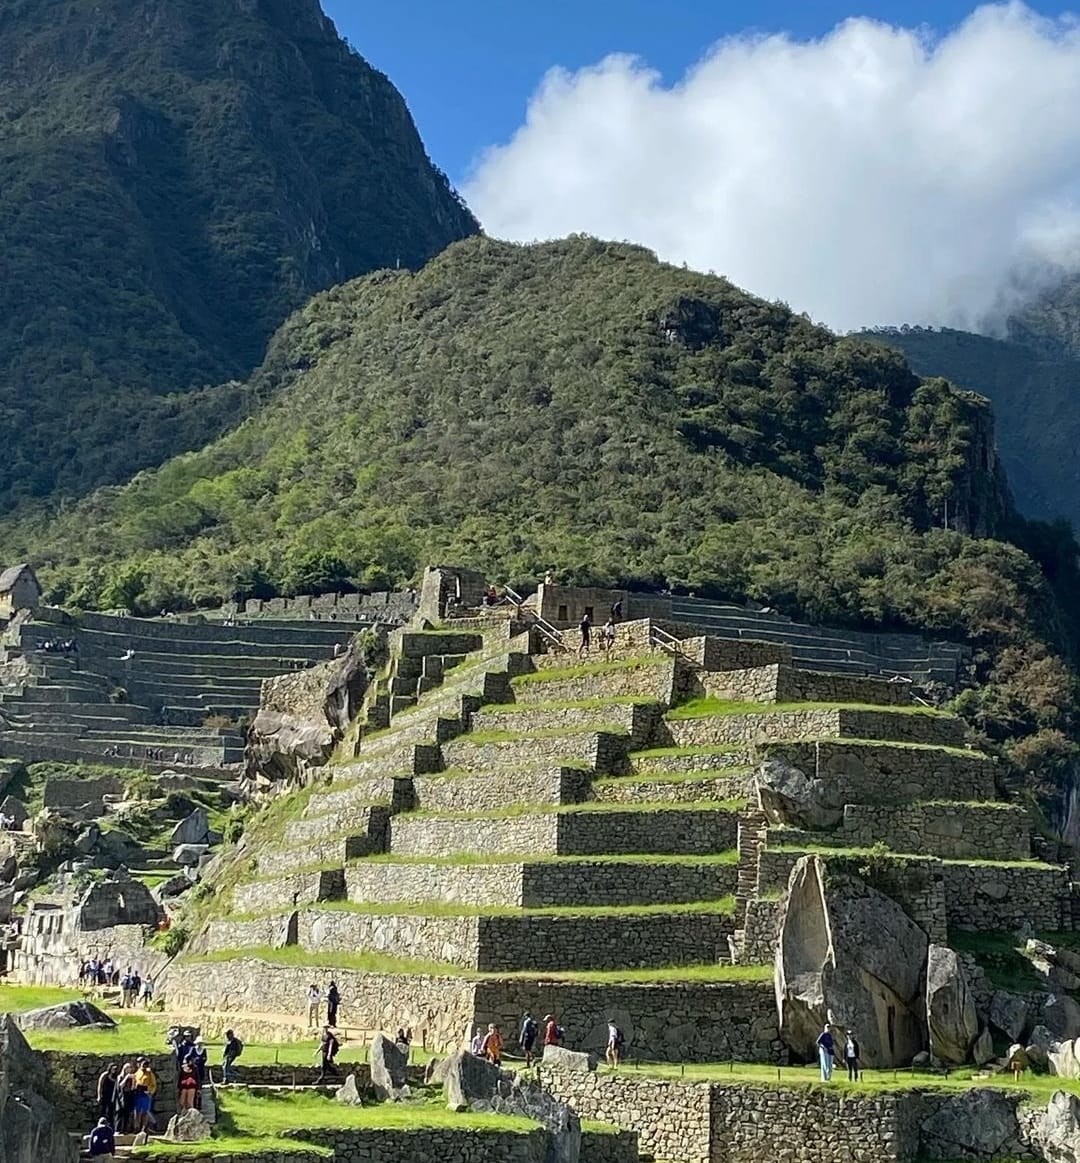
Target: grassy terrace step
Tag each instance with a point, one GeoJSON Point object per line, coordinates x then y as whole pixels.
{"type": "Point", "coordinates": [672, 975]}
{"type": "Point", "coordinates": [551, 668]}
{"type": "Point", "coordinates": [713, 721]}
{"type": "Point", "coordinates": [731, 785]}
{"type": "Point", "coordinates": [667, 760]}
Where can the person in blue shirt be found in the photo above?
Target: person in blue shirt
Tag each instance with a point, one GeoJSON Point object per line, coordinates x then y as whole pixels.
{"type": "Point", "coordinates": [826, 1052]}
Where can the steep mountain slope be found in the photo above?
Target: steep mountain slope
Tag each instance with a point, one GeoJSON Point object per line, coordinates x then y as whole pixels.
{"type": "Point", "coordinates": [1032, 379]}
{"type": "Point", "coordinates": [175, 178]}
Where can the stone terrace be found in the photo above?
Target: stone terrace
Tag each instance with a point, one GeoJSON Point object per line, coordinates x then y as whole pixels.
{"type": "Point", "coordinates": [521, 818]}
{"type": "Point", "coordinates": [152, 691]}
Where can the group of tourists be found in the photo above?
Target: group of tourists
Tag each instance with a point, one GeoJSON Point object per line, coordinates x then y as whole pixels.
{"type": "Point", "coordinates": [102, 973]}
{"type": "Point", "coordinates": [828, 1054]}
{"type": "Point", "coordinates": [315, 1003]}
{"type": "Point", "coordinates": [607, 631]}
{"type": "Point", "coordinates": [125, 1097]}
{"type": "Point", "coordinates": [59, 646]}
{"type": "Point", "coordinates": [553, 1035]}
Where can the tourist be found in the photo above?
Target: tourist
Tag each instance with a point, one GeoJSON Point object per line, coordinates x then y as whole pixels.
{"type": "Point", "coordinates": [403, 1041]}
{"type": "Point", "coordinates": [182, 1046]}
{"type": "Point", "coordinates": [333, 1000]}
{"type": "Point", "coordinates": [106, 1091]}
{"type": "Point", "coordinates": [146, 1085]}
{"type": "Point", "coordinates": [585, 627]}
{"type": "Point", "coordinates": [851, 1056]}
{"type": "Point", "coordinates": [616, 611]}
{"type": "Point", "coordinates": [826, 1052]}
{"type": "Point", "coordinates": [233, 1049]}
{"type": "Point", "coordinates": [549, 578]}
{"type": "Point", "coordinates": [328, 1048]}
{"type": "Point", "coordinates": [615, 1043]}
{"type": "Point", "coordinates": [314, 1003]}
{"type": "Point", "coordinates": [527, 1037]}
{"type": "Point", "coordinates": [102, 1139]}
{"type": "Point", "coordinates": [197, 1058]}
{"type": "Point", "coordinates": [492, 1046]}
{"type": "Point", "coordinates": [553, 1032]}
{"type": "Point", "coordinates": [607, 635]}
{"type": "Point", "coordinates": [187, 1086]}
{"type": "Point", "coordinates": [476, 1047]}
{"type": "Point", "coordinates": [147, 992]}
{"type": "Point", "coordinates": [126, 999]}
{"type": "Point", "coordinates": [124, 1100]}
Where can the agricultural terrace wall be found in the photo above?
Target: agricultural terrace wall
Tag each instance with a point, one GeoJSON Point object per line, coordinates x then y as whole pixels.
{"type": "Point", "coordinates": [841, 722]}
{"type": "Point", "coordinates": [259, 896]}
{"type": "Point", "coordinates": [687, 1022]}
{"type": "Point", "coordinates": [584, 833]}
{"type": "Point", "coordinates": [437, 1008]}
{"type": "Point", "coordinates": [953, 831]}
{"type": "Point", "coordinates": [545, 884]}
{"type": "Point", "coordinates": [497, 789]}
{"type": "Point", "coordinates": [658, 677]}
{"type": "Point", "coordinates": [637, 720]}
{"type": "Point", "coordinates": [448, 1146]}
{"type": "Point", "coordinates": [600, 750]}
{"type": "Point", "coordinates": [777, 683]}
{"type": "Point", "coordinates": [490, 944]}
{"type": "Point", "coordinates": [887, 773]}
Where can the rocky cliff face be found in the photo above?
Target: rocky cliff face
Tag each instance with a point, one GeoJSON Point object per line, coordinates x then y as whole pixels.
{"type": "Point", "coordinates": [177, 177]}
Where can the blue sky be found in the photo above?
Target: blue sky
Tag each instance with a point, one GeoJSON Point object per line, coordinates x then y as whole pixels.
{"type": "Point", "coordinates": [468, 67]}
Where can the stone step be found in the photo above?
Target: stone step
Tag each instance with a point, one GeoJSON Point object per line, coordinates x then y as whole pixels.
{"type": "Point", "coordinates": [332, 851]}
{"type": "Point", "coordinates": [702, 759]}
{"type": "Point", "coordinates": [343, 797]}
{"type": "Point", "coordinates": [779, 683]}
{"type": "Point", "coordinates": [485, 791]}
{"type": "Point", "coordinates": [650, 678]}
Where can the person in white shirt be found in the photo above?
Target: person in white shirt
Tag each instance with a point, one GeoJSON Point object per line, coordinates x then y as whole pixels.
{"type": "Point", "coordinates": [314, 1000]}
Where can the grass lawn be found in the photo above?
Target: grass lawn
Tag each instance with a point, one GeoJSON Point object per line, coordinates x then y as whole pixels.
{"type": "Point", "coordinates": [570, 704]}
{"type": "Point", "coordinates": [510, 811]}
{"type": "Point", "coordinates": [724, 905]}
{"type": "Point", "coordinates": [1039, 1086]}
{"type": "Point", "coordinates": [17, 999]}
{"type": "Point", "coordinates": [700, 708]}
{"type": "Point", "coordinates": [248, 1123]}
{"type": "Point", "coordinates": [494, 736]}
{"type": "Point", "coordinates": [585, 669]}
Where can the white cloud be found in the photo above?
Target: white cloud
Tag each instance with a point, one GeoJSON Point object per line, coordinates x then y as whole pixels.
{"type": "Point", "coordinates": [878, 175]}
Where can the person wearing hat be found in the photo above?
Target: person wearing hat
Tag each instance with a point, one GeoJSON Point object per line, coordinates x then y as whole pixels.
{"type": "Point", "coordinates": [102, 1139]}
{"type": "Point", "coordinates": [851, 1056]}
{"type": "Point", "coordinates": [197, 1057]}
{"type": "Point", "coordinates": [553, 1035]}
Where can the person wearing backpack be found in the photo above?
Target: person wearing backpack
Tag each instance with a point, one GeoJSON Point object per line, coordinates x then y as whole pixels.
{"type": "Point", "coordinates": [527, 1037]}
{"type": "Point", "coordinates": [233, 1049]}
{"type": "Point", "coordinates": [615, 1044]}
{"type": "Point", "coordinates": [328, 1048]}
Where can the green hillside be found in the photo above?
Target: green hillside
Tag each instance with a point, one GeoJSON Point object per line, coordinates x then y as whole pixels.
{"type": "Point", "coordinates": [579, 405]}
{"type": "Point", "coordinates": [176, 178]}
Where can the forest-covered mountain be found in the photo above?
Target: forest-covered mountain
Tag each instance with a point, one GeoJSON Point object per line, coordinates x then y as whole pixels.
{"type": "Point", "coordinates": [1032, 378]}
{"type": "Point", "coordinates": [176, 177]}
{"type": "Point", "coordinates": [580, 405]}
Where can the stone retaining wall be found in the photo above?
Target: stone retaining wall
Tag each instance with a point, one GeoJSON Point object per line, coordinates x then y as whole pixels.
{"type": "Point", "coordinates": [447, 1146]}
{"type": "Point", "coordinates": [599, 750]}
{"type": "Point", "coordinates": [498, 789]}
{"type": "Point", "coordinates": [637, 720]}
{"type": "Point", "coordinates": [657, 677]}
{"type": "Point", "coordinates": [71, 1082]}
{"type": "Point", "coordinates": [982, 898]}
{"type": "Point", "coordinates": [883, 773]}
{"type": "Point", "coordinates": [693, 761]}
{"type": "Point", "coordinates": [587, 833]}
{"type": "Point", "coordinates": [949, 830]}
{"type": "Point", "coordinates": [259, 896]}
{"type": "Point", "coordinates": [683, 1022]}
{"type": "Point", "coordinates": [275, 861]}
{"type": "Point", "coordinates": [764, 726]}
{"type": "Point", "coordinates": [370, 821]}
{"type": "Point", "coordinates": [436, 1008]}
{"type": "Point", "coordinates": [761, 929]}
{"type": "Point", "coordinates": [738, 785]}
{"type": "Point", "coordinates": [349, 794]}
{"type": "Point", "coordinates": [786, 684]}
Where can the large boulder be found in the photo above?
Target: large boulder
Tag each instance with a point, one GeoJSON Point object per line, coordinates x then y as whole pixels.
{"type": "Point", "coordinates": [849, 955]}
{"type": "Point", "coordinates": [68, 1015]}
{"type": "Point", "coordinates": [1057, 1131]}
{"type": "Point", "coordinates": [15, 810]}
{"type": "Point", "coordinates": [1009, 1012]}
{"type": "Point", "coordinates": [188, 1126]}
{"type": "Point", "coordinates": [348, 1093]}
{"type": "Point", "coordinates": [576, 1061]}
{"type": "Point", "coordinates": [1060, 1014]}
{"type": "Point", "coordinates": [30, 1129]}
{"type": "Point", "coordinates": [1064, 1059]}
{"type": "Point", "coordinates": [787, 795]}
{"type": "Point", "coordinates": [468, 1079]}
{"type": "Point", "coordinates": [189, 854]}
{"type": "Point", "coordinates": [950, 1009]}
{"type": "Point", "coordinates": [192, 829]}
{"type": "Point", "coordinates": [388, 1069]}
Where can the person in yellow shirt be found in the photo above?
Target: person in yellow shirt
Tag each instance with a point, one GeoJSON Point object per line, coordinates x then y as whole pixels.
{"type": "Point", "coordinates": [146, 1085]}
